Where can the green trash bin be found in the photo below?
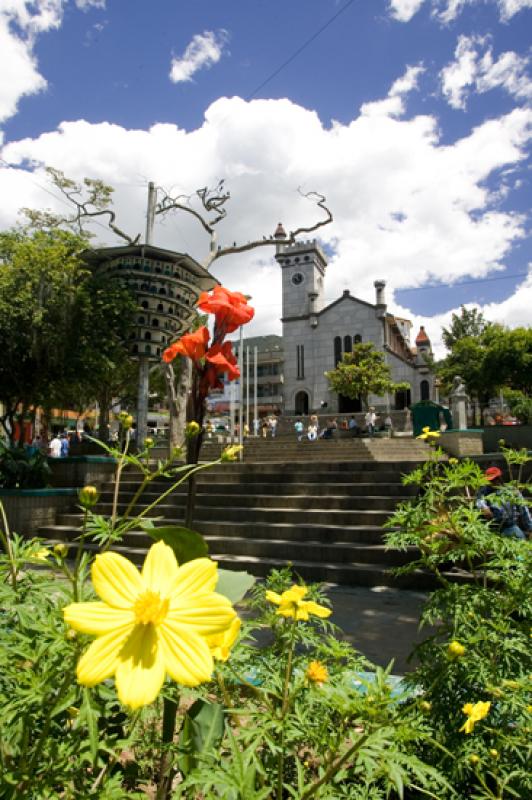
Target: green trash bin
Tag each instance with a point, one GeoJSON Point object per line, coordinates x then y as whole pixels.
{"type": "Point", "coordinates": [427, 413]}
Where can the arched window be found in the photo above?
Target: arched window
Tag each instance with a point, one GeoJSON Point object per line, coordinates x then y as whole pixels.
{"type": "Point", "coordinates": [162, 290]}
{"type": "Point", "coordinates": [147, 336]}
{"type": "Point", "coordinates": [357, 338]}
{"type": "Point", "coordinates": [145, 304]}
{"type": "Point", "coordinates": [155, 322]}
{"type": "Point", "coordinates": [160, 308]}
{"type": "Point", "coordinates": [147, 349]}
{"type": "Point", "coordinates": [337, 350]}
{"type": "Point", "coordinates": [424, 390]}
{"type": "Point", "coordinates": [141, 320]}
{"type": "Point", "coordinates": [348, 344]}
{"type": "Point", "coordinates": [135, 348]}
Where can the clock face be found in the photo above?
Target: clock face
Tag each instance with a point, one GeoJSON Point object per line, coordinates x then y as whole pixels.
{"type": "Point", "coordinates": [297, 278]}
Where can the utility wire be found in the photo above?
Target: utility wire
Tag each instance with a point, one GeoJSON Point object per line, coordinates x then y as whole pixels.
{"type": "Point", "coordinates": [300, 50]}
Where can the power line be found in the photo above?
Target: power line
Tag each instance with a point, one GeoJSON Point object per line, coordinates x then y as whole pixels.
{"type": "Point", "coordinates": [300, 49]}
{"type": "Point", "coordinates": [463, 283]}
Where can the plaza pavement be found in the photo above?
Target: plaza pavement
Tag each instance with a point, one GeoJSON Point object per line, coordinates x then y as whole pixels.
{"type": "Point", "coordinates": [380, 621]}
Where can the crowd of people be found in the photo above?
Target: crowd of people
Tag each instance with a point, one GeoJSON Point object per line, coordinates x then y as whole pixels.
{"type": "Point", "coordinates": [314, 430]}
{"type": "Point", "coordinates": [57, 446]}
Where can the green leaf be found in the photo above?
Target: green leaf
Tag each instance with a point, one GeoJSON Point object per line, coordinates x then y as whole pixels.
{"type": "Point", "coordinates": [234, 585]}
{"type": "Point", "coordinates": [90, 716]}
{"type": "Point", "coordinates": [186, 544]}
{"type": "Point", "coordinates": [202, 731]}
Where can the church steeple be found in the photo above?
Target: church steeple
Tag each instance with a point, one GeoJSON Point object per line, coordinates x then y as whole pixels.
{"type": "Point", "coordinates": [303, 269]}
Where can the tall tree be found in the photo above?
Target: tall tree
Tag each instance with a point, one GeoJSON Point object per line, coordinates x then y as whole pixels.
{"type": "Point", "coordinates": [61, 330]}
{"type": "Point", "coordinates": [362, 372]}
{"type": "Point", "coordinates": [469, 323]}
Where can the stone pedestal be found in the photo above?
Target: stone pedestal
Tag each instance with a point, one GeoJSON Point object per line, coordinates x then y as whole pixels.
{"type": "Point", "coordinates": [462, 443]}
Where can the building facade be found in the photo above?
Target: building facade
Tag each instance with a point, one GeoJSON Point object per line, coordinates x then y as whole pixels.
{"type": "Point", "coordinates": [316, 335]}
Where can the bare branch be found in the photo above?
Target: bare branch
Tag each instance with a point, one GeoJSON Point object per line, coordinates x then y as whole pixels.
{"type": "Point", "coordinates": [290, 239]}
{"type": "Point", "coordinates": [95, 204]}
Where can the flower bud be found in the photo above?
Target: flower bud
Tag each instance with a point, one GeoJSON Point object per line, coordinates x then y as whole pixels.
{"type": "Point", "coordinates": [425, 706]}
{"type": "Point", "coordinates": [453, 461]}
{"type": "Point", "coordinates": [231, 453]}
{"type": "Point", "coordinates": [473, 759]}
{"type": "Point", "coordinates": [126, 420]}
{"type": "Point", "coordinates": [455, 649]}
{"type": "Point", "coordinates": [88, 496]}
{"type": "Point", "coordinates": [148, 442]}
{"type": "Point", "coordinates": [493, 753]}
{"type": "Point", "coordinates": [192, 429]}
{"type": "Point", "coordinates": [60, 550]}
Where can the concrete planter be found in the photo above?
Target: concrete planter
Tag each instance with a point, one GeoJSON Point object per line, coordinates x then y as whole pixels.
{"type": "Point", "coordinates": [462, 443]}
{"type": "Point", "coordinates": [81, 470]}
{"type": "Point", "coordinates": [29, 509]}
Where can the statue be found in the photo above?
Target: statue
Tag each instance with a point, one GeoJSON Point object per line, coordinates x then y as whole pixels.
{"type": "Point", "coordinates": [458, 387]}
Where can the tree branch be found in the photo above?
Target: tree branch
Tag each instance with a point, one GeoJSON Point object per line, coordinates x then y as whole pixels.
{"type": "Point", "coordinates": [96, 204]}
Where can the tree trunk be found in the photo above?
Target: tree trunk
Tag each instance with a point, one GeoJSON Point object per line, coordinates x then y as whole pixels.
{"type": "Point", "coordinates": [104, 401]}
{"type": "Point", "coordinates": [177, 391]}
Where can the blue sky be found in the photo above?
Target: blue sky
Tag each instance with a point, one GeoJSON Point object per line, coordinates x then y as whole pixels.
{"type": "Point", "coordinates": [428, 178]}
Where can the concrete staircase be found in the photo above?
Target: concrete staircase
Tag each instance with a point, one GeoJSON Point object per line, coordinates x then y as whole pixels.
{"type": "Point", "coordinates": [287, 449]}
{"type": "Point", "coordinates": [324, 517]}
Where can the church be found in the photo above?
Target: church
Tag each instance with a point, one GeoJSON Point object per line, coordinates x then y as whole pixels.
{"type": "Point", "coordinates": [316, 335]}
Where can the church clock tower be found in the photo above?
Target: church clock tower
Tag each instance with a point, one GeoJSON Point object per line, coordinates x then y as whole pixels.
{"type": "Point", "coordinates": [303, 270]}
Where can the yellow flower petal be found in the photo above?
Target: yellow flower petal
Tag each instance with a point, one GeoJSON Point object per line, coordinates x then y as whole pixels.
{"type": "Point", "coordinates": [97, 618]}
{"type": "Point", "coordinates": [319, 611]}
{"type": "Point", "coordinates": [187, 657]}
{"type": "Point", "coordinates": [196, 577]}
{"type": "Point", "coordinates": [209, 614]}
{"type": "Point", "coordinates": [294, 594]}
{"type": "Point", "coordinates": [273, 597]}
{"type": "Point", "coordinates": [140, 672]}
{"type": "Point", "coordinates": [160, 569]}
{"type": "Point", "coordinates": [116, 580]}
{"type": "Point", "coordinates": [102, 657]}
{"type": "Point", "coordinates": [220, 645]}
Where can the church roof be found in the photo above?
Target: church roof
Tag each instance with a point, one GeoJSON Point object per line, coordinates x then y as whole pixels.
{"type": "Point", "coordinates": [422, 338]}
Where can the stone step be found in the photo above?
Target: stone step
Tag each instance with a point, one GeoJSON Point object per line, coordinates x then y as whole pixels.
{"type": "Point", "coordinates": [69, 525]}
{"type": "Point", "coordinates": [372, 501]}
{"type": "Point", "coordinates": [254, 514]}
{"type": "Point", "coordinates": [397, 490]}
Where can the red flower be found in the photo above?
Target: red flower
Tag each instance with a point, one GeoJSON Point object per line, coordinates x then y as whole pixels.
{"type": "Point", "coordinates": [193, 345]}
{"type": "Point", "coordinates": [223, 359]}
{"type": "Point", "coordinates": [230, 308]}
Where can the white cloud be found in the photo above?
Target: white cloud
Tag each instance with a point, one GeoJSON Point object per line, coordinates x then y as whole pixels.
{"type": "Point", "coordinates": [393, 105]}
{"type": "Point", "coordinates": [21, 21]}
{"type": "Point", "coordinates": [85, 5]}
{"type": "Point", "coordinates": [447, 10]}
{"type": "Point", "coordinates": [406, 207]}
{"type": "Point", "coordinates": [202, 52]}
{"type": "Point", "coordinates": [404, 10]}
{"type": "Point", "coordinates": [481, 72]}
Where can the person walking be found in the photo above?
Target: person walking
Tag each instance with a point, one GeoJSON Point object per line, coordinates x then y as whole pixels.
{"type": "Point", "coordinates": [65, 445]}
{"type": "Point", "coordinates": [55, 447]}
{"type": "Point", "coordinates": [370, 419]}
{"type": "Point", "coordinates": [273, 426]}
{"type": "Point", "coordinates": [299, 428]}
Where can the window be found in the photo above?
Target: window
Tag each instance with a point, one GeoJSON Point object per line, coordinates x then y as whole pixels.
{"type": "Point", "coordinates": [357, 338]}
{"type": "Point", "coordinates": [348, 344]}
{"type": "Point", "coordinates": [300, 361]}
{"type": "Point", "coordinates": [424, 388]}
{"type": "Point", "coordinates": [145, 304]}
{"type": "Point", "coordinates": [337, 350]}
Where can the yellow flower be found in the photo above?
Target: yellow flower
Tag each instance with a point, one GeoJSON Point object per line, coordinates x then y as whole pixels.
{"type": "Point", "coordinates": [88, 496]}
{"type": "Point", "coordinates": [222, 643]}
{"type": "Point", "coordinates": [317, 672]}
{"type": "Point", "coordinates": [61, 550]}
{"type": "Point", "coordinates": [428, 434]}
{"type": "Point", "coordinates": [150, 624]}
{"type": "Point", "coordinates": [230, 453]}
{"type": "Point", "coordinates": [453, 461]}
{"type": "Point", "coordinates": [291, 604]}
{"type": "Point", "coordinates": [455, 649]}
{"type": "Point", "coordinates": [475, 712]}
{"type": "Point", "coordinates": [41, 555]}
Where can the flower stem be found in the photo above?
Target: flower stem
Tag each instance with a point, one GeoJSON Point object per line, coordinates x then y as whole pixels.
{"type": "Point", "coordinates": [5, 537]}
{"type": "Point", "coordinates": [165, 770]}
{"type": "Point", "coordinates": [284, 709]}
{"type": "Point", "coordinates": [334, 767]}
